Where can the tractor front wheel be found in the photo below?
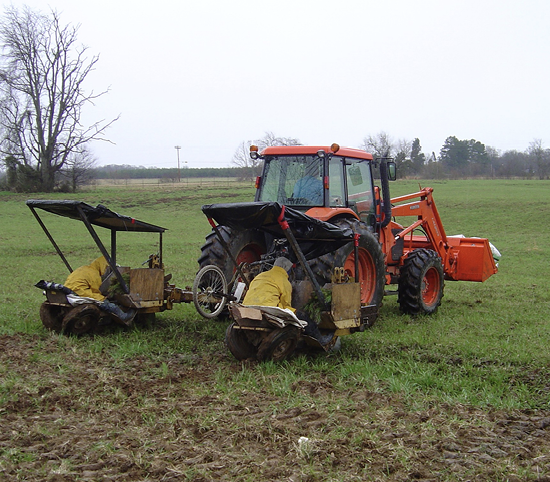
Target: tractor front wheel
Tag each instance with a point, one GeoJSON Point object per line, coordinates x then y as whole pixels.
{"type": "Point", "coordinates": [421, 282]}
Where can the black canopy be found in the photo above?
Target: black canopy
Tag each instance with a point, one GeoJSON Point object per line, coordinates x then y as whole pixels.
{"type": "Point", "coordinates": [314, 237]}
{"type": "Point", "coordinates": [98, 216]}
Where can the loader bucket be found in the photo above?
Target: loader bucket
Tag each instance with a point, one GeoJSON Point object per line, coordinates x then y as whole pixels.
{"type": "Point", "coordinates": [473, 259]}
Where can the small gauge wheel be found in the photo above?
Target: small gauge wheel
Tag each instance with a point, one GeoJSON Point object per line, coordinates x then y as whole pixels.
{"type": "Point", "coordinates": [210, 291]}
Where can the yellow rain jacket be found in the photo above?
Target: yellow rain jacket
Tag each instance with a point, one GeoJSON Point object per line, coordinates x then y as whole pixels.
{"type": "Point", "coordinates": [86, 280]}
{"type": "Point", "coordinates": [270, 288]}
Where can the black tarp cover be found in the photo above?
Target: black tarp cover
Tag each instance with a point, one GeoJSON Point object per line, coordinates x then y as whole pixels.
{"type": "Point", "coordinates": [98, 216]}
{"type": "Point", "coordinates": [314, 236]}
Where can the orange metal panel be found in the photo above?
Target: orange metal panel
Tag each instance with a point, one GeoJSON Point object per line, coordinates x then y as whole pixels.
{"type": "Point", "coordinates": [326, 214]}
{"type": "Point", "coordinates": [304, 150]}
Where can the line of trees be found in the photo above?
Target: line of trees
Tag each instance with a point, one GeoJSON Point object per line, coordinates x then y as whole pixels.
{"type": "Point", "coordinates": [115, 172]}
{"type": "Point", "coordinates": [458, 158]}
{"type": "Point", "coordinates": [461, 158]}
{"type": "Point", "coordinates": [470, 158]}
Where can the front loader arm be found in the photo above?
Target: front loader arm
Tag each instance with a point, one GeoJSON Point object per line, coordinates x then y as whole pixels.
{"type": "Point", "coordinates": [424, 209]}
{"type": "Point", "coordinates": [428, 217]}
{"type": "Point", "coordinates": [463, 259]}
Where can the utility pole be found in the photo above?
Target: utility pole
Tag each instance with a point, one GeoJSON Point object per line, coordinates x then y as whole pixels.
{"type": "Point", "coordinates": [177, 148]}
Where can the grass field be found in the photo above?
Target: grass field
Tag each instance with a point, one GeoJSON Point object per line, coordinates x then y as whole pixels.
{"type": "Point", "coordinates": [461, 395]}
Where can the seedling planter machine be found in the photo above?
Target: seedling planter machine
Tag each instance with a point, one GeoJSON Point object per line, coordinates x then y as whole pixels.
{"type": "Point", "coordinates": [146, 290]}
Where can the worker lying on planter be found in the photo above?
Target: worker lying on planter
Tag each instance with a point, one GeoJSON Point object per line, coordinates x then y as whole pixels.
{"type": "Point", "coordinates": [86, 281]}
{"type": "Point", "coordinates": [272, 288]}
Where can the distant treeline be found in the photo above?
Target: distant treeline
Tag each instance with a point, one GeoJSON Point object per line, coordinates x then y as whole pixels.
{"type": "Point", "coordinates": [133, 172]}
{"type": "Point", "coordinates": [139, 172]}
{"type": "Point", "coordinates": [458, 158]}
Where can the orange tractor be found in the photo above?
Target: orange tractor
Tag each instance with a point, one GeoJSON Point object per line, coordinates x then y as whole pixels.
{"type": "Point", "coordinates": [337, 186]}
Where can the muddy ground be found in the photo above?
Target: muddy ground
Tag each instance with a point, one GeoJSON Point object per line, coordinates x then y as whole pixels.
{"type": "Point", "coordinates": [68, 414]}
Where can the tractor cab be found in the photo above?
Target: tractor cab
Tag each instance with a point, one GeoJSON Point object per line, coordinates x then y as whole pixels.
{"type": "Point", "coordinates": [323, 181]}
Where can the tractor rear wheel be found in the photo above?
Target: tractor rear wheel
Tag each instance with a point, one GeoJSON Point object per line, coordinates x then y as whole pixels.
{"type": "Point", "coordinates": [245, 246]}
{"type": "Point", "coordinates": [371, 263]}
{"type": "Point", "coordinates": [421, 282]}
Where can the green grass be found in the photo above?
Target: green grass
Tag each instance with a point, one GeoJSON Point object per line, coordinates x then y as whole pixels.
{"type": "Point", "coordinates": [486, 346]}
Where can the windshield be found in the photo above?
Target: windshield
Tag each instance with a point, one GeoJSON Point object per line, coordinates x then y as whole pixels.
{"type": "Point", "coordinates": [293, 180]}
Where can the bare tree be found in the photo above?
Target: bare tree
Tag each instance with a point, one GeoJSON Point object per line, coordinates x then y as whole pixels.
{"type": "Point", "coordinates": [379, 145]}
{"type": "Point", "coordinates": [540, 158]}
{"type": "Point", "coordinates": [403, 149]}
{"type": "Point", "coordinates": [252, 167]}
{"type": "Point", "coordinates": [382, 145]}
{"type": "Point", "coordinates": [241, 158]}
{"type": "Point", "coordinates": [42, 71]}
{"type": "Point", "coordinates": [403, 157]}
{"type": "Point", "coordinates": [78, 169]}
{"type": "Point", "coordinates": [270, 139]}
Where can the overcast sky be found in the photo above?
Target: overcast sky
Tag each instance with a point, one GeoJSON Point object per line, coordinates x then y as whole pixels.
{"type": "Point", "coordinates": [209, 74]}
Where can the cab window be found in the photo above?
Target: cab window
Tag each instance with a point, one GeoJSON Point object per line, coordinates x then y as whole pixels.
{"type": "Point", "coordinates": [360, 195]}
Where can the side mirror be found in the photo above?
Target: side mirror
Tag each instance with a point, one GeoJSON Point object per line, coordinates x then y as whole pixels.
{"type": "Point", "coordinates": [392, 170]}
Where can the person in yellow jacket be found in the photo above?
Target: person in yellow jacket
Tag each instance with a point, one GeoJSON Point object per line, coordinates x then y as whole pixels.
{"type": "Point", "coordinates": [86, 281]}
{"type": "Point", "coordinates": [271, 288]}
